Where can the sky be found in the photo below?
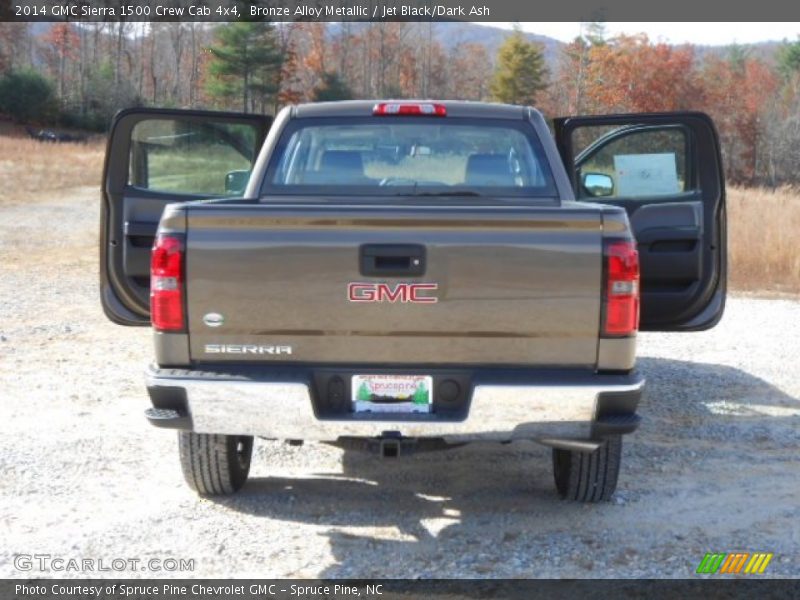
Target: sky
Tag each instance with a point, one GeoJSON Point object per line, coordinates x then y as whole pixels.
{"type": "Point", "coordinates": [677, 33]}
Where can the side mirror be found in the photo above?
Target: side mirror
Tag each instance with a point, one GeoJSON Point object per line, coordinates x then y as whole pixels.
{"type": "Point", "coordinates": [236, 182]}
{"type": "Point", "coordinates": [598, 185]}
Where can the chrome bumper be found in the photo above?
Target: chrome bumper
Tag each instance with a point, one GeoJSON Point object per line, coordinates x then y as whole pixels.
{"type": "Point", "coordinates": [496, 412]}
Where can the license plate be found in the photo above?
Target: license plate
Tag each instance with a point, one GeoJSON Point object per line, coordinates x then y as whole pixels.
{"type": "Point", "coordinates": [392, 393]}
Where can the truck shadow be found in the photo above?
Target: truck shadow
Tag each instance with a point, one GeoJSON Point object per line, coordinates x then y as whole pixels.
{"type": "Point", "coordinates": [463, 507]}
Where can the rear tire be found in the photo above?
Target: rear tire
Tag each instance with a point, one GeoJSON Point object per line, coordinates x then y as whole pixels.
{"type": "Point", "coordinates": [588, 476]}
{"type": "Point", "coordinates": [213, 464]}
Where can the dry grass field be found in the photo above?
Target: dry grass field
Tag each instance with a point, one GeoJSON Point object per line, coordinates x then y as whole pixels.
{"type": "Point", "coordinates": [30, 168]}
{"type": "Point", "coordinates": [763, 233]}
{"type": "Point", "coordinates": [764, 239]}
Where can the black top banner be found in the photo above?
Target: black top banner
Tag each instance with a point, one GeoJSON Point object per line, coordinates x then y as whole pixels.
{"type": "Point", "coordinates": [398, 10]}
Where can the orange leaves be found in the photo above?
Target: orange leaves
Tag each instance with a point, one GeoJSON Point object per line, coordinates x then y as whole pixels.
{"type": "Point", "coordinates": [632, 74]}
{"type": "Point", "coordinates": [737, 92]}
{"type": "Point", "coordinates": [629, 74]}
{"type": "Point", "coordinates": [63, 38]}
{"type": "Point", "coordinates": [314, 57]}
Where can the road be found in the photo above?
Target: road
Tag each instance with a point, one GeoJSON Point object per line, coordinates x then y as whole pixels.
{"type": "Point", "coordinates": [713, 468]}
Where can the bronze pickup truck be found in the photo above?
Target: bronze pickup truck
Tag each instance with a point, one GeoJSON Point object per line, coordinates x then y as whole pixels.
{"type": "Point", "coordinates": [407, 275]}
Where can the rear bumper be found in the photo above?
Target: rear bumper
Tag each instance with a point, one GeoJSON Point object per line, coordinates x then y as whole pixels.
{"type": "Point", "coordinates": [552, 407]}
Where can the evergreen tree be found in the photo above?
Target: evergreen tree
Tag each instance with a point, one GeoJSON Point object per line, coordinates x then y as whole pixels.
{"type": "Point", "coordinates": [364, 395]}
{"type": "Point", "coordinates": [520, 73]}
{"type": "Point", "coordinates": [738, 56]}
{"type": "Point", "coordinates": [331, 88]}
{"type": "Point", "coordinates": [420, 395]}
{"type": "Point", "coordinates": [26, 95]}
{"type": "Point", "coordinates": [245, 65]}
{"type": "Point", "coordinates": [789, 58]}
{"type": "Point", "coordinates": [594, 32]}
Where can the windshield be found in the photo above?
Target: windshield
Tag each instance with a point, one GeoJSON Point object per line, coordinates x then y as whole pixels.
{"type": "Point", "coordinates": [416, 156]}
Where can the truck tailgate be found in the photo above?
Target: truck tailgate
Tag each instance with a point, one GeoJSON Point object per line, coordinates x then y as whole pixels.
{"type": "Point", "coordinates": [516, 285]}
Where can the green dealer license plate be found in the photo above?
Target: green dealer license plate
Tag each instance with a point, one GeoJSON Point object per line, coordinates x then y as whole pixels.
{"type": "Point", "coordinates": [392, 393]}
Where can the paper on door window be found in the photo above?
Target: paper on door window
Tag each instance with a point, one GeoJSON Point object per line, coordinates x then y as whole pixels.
{"type": "Point", "coordinates": [646, 174]}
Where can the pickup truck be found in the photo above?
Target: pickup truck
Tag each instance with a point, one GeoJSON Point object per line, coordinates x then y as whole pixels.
{"type": "Point", "coordinates": [401, 275]}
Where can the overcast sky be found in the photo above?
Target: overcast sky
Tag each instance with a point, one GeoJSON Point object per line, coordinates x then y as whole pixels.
{"type": "Point", "coordinates": [678, 33]}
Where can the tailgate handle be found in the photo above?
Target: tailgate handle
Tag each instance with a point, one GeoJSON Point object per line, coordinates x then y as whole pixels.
{"type": "Point", "coordinates": [399, 260]}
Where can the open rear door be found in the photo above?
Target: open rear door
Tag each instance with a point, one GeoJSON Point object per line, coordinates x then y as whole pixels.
{"type": "Point", "coordinates": [665, 170]}
{"type": "Point", "coordinates": [155, 157]}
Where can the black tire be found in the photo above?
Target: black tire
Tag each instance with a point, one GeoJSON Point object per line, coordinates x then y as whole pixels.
{"type": "Point", "coordinates": [215, 465]}
{"type": "Point", "coordinates": [588, 476]}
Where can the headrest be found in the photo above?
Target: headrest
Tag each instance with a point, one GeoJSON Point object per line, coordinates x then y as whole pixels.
{"type": "Point", "coordinates": [488, 170]}
{"type": "Point", "coordinates": [342, 160]}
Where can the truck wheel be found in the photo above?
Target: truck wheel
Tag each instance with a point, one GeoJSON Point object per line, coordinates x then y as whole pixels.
{"type": "Point", "coordinates": [215, 465]}
{"type": "Point", "coordinates": [588, 476]}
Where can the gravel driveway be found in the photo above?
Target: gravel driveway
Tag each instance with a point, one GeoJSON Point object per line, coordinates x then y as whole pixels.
{"type": "Point", "coordinates": [713, 468]}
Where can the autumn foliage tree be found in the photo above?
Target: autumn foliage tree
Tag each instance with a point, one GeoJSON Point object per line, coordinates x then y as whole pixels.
{"type": "Point", "coordinates": [61, 45]}
{"type": "Point", "coordinates": [737, 92]}
{"type": "Point", "coordinates": [471, 71]}
{"type": "Point", "coordinates": [291, 89]}
{"type": "Point", "coordinates": [629, 74]}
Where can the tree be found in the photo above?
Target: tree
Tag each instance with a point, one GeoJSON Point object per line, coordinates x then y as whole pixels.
{"type": "Point", "coordinates": [291, 89]}
{"type": "Point", "coordinates": [470, 71]}
{"type": "Point", "coordinates": [26, 95]}
{"type": "Point", "coordinates": [520, 74]}
{"type": "Point", "coordinates": [331, 88]}
{"type": "Point", "coordinates": [594, 32]}
{"type": "Point", "coordinates": [789, 58]}
{"type": "Point", "coordinates": [420, 395]}
{"type": "Point", "coordinates": [629, 74]}
{"type": "Point", "coordinates": [245, 65]}
{"type": "Point", "coordinates": [364, 394]}
{"type": "Point", "coordinates": [736, 92]}
{"type": "Point", "coordinates": [568, 91]}
{"type": "Point", "coordinates": [62, 42]}
{"type": "Point", "coordinates": [104, 96]}
{"type": "Point", "coordinates": [15, 43]}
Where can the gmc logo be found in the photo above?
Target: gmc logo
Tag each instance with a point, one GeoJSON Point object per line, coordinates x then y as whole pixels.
{"type": "Point", "coordinates": [387, 292]}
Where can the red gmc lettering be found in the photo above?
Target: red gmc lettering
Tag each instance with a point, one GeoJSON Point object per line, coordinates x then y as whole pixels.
{"type": "Point", "coordinates": [386, 292]}
{"type": "Point", "coordinates": [361, 292]}
{"type": "Point", "coordinates": [416, 288]}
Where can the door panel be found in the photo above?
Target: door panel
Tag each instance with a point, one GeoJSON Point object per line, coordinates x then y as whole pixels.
{"type": "Point", "coordinates": [155, 157]}
{"type": "Point", "coordinates": [665, 171]}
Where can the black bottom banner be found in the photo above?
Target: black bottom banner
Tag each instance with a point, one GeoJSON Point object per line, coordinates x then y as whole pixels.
{"type": "Point", "coordinates": [390, 589]}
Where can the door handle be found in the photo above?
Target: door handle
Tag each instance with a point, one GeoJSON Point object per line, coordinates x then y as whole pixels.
{"type": "Point", "coordinates": [392, 260]}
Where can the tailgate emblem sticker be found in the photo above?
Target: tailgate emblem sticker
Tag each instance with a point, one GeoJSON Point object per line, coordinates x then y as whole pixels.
{"type": "Point", "coordinates": [387, 292]}
{"type": "Point", "coordinates": [213, 319]}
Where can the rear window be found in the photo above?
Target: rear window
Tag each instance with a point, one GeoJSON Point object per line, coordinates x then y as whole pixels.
{"type": "Point", "coordinates": [409, 156]}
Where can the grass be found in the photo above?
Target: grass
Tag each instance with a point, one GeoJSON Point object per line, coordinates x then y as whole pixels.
{"type": "Point", "coordinates": [449, 170]}
{"type": "Point", "coordinates": [201, 171]}
{"type": "Point", "coordinates": [764, 239]}
{"type": "Point", "coordinates": [29, 168]}
{"type": "Point", "coordinates": [763, 225]}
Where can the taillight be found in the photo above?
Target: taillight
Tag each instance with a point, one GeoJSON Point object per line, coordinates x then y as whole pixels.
{"type": "Point", "coordinates": [621, 301]}
{"type": "Point", "coordinates": [425, 109]}
{"type": "Point", "coordinates": [166, 284]}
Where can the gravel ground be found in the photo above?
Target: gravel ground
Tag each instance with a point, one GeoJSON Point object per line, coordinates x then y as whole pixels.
{"type": "Point", "coordinates": [713, 468]}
